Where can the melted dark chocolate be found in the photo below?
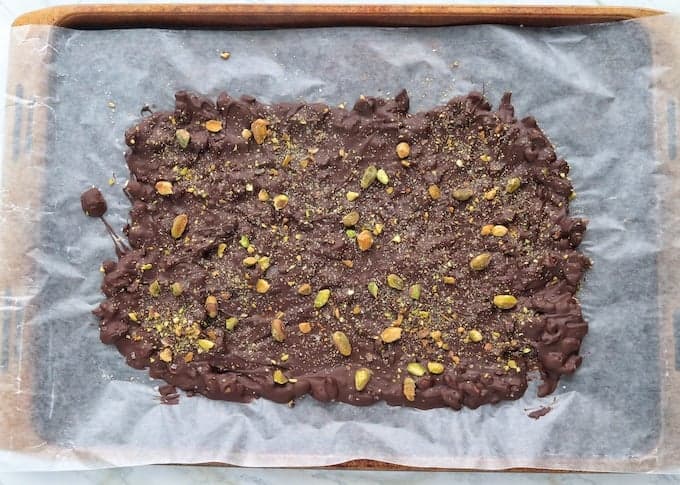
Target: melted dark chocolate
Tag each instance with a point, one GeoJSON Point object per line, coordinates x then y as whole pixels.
{"type": "Point", "coordinates": [223, 338]}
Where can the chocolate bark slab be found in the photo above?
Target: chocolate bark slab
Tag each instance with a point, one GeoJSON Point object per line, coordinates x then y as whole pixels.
{"type": "Point", "coordinates": [359, 255]}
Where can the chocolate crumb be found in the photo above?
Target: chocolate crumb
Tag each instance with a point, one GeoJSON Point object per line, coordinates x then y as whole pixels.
{"type": "Point", "coordinates": [93, 203]}
{"type": "Point", "coordinates": [540, 412]}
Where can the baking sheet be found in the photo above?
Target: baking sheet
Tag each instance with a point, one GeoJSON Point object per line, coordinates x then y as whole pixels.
{"type": "Point", "coordinates": [589, 88]}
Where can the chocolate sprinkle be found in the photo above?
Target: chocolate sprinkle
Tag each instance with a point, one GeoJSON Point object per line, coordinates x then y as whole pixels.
{"type": "Point", "coordinates": [292, 246]}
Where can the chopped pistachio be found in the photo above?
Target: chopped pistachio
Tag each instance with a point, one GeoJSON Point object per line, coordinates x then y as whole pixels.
{"type": "Point", "coordinates": [403, 150]}
{"type": "Point", "coordinates": [279, 377]}
{"type": "Point", "coordinates": [246, 134]}
{"type": "Point", "coordinates": [351, 233]}
{"type": "Point", "coordinates": [250, 261]}
{"type": "Point", "coordinates": [462, 194]}
{"type": "Point", "coordinates": [435, 367]}
{"type": "Point", "coordinates": [409, 389]}
{"type": "Point", "coordinates": [176, 288]}
{"type": "Point", "coordinates": [165, 355]}
{"type": "Point", "coordinates": [365, 240]}
{"type": "Point", "coordinates": [434, 191]}
{"type": "Point", "coordinates": [369, 176]}
{"type": "Point", "coordinates": [504, 302]}
{"type": "Point", "coordinates": [305, 289]}
{"type": "Point", "coordinates": [132, 316]}
{"type": "Point", "coordinates": [211, 306]}
{"type": "Point", "coordinates": [491, 193]}
{"type": "Point", "coordinates": [221, 248]}
{"type": "Point", "coordinates": [414, 291]}
{"type": "Point", "coordinates": [513, 184]}
{"type": "Point", "coordinates": [155, 288]}
{"type": "Point", "coordinates": [213, 126]}
{"type": "Point", "coordinates": [263, 195]}
{"type": "Point", "coordinates": [382, 177]}
{"type": "Point", "coordinates": [373, 288]}
{"type": "Point", "coordinates": [480, 262]}
{"type": "Point", "coordinates": [512, 364]}
{"type": "Point", "coordinates": [475, 335]}
{"type": "Point", "coordinates": [205, 344]}
{"type": "Point", "coordinates": [262, 286]}
{"type": "Point", "coordinates": [231, 323]}
{"type": "Point", "coordinates": [390, 334]}
{"type": "Point", "coordinates": [352, 196]}
{"type": "Point", "coordinates": [163, 187]}
{"type": "Point", "coordinates": [378, 229]}
{"type": "Point", "coordinates": [264, 263]}
{"type": "Point", "coordinates": [362, 377]}
{"type": "Point", "coordinates": [182, 136]}
{"type": "Point", "coordinates": [305, 327]}
{"type": "Point", "coordinates": [179, 225]}
{"type": "Point", "coordinates": [322, 298]}
{"type": "Point", "coordinates": [499, 231]}
{"type": "Point", "coordinates": [342, 343]}
{"type": "Point", "coordinates": [244, 241]}
{"type": "Point", "coordinates": [280, 201]}
{"type": "Point", "coordinates": [394, 281]}
{"type": "Point", "coordinates": [416, 369]}
{"type": "Point", "coordinates": [350, 219]}
{"type": "Point", "coordinates": [278, 332]}
{"type": "Point", "coordinates": [259, 130]}
{"type": "Point", "coordinates": [396, 239]}
{"type": "Point", "coordinates": [146, 266]}
{"type": "Point", "coordinates": [449, 280]}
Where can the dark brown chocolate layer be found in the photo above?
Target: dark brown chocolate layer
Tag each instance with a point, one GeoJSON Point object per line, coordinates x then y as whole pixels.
{"type": "Point", "coordinates": [291, 249]}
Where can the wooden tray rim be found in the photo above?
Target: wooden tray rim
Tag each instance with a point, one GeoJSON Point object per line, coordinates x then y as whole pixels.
{"type": "Point", "coordinates": [297, 15]}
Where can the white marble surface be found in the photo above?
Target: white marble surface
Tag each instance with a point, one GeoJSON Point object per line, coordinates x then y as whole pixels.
{"type": "Point", "coordinates": [168, 475]}
{"type": "Point", "coordinates": [171, 475]}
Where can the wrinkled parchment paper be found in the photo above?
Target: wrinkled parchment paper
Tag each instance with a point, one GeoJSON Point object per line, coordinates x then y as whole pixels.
{"type": "Point", "coordinates": [69, 401]}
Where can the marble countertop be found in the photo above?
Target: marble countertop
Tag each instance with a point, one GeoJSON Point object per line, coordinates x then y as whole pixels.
{"type": "Point", "coordinates": [169, 474]}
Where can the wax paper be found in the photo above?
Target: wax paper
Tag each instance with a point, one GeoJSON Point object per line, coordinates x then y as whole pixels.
{"type": "Point", "coordinates": [69, 401]}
